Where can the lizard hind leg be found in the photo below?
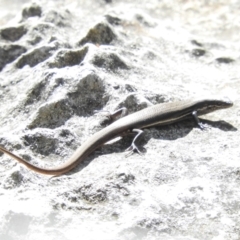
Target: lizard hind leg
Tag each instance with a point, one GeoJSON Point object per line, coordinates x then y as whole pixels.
{"type": "Point", "coordinates": [133, 148]}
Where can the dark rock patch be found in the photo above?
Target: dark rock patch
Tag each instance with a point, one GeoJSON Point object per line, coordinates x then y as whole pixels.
{"type": "Point", "coordinates": [40, 142]}
{"type": "Point", "coordinates": [88, 95]}
{"type": "Point", "coordinates": [13, 33]}
{"type": "Point", "coordinates": [225, 60]}
{"type": "Point", "coordinates": [60, 19]}
{"type": "Point", "coordinates": [100, 34]}
{"type": "Point", "coordinates": [9, 53]}
{"type": "Point", "coordinates": [35, 56]}
{"type": "Point", "coordinates": [198, 52]}
{"type": "Point", "coordinates": [113, 20]}
{"type": "Point", "coordinates": [109, 61]}
{"type": "Point", "coordinates": [197, 43]}
{"type": "Point", "coordinates": [14, 180]}
{"type": "Point", "coordinates": [35, 93]}
{"type": "Point", "coordinates": [32, 10]}
{"type": "Point", "coordinates": [52, 115]}
{"type": "Point", "coordinates": [65, 58]}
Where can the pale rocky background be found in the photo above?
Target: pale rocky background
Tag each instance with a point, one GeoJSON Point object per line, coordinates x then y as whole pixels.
{"type": "Point", "coordinates": [62, 60]}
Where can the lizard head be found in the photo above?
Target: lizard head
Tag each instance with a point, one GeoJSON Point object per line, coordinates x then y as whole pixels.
{"type": "Point", "coordinates": [210, 105]}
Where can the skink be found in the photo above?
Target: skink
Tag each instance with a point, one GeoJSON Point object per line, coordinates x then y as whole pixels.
{"type": "Point", "coordinates": [156, 115]}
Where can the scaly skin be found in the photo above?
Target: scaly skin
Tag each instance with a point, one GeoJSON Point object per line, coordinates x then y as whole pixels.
{"type": "Point", "coordinates": [157, 115]}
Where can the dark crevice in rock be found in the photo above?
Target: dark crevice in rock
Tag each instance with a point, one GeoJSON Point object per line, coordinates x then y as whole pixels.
{"type": "Point", "coordinates": [141, 19]}
{"type": "Point", "coordinates": [195, 42]}
{"type": "Point", "coordinates": [113, 20]}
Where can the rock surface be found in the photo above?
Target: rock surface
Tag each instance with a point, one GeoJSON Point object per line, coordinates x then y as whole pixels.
{"type": "Point", "coordinates": [61, 61]}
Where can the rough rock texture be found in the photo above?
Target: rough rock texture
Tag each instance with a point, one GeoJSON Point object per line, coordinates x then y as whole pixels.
{"type": "Point", "coordinates": [62, 60]}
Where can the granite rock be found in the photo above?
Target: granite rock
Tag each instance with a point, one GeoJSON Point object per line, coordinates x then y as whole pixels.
{"type": "Point", "coordinates": [61, 61]}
